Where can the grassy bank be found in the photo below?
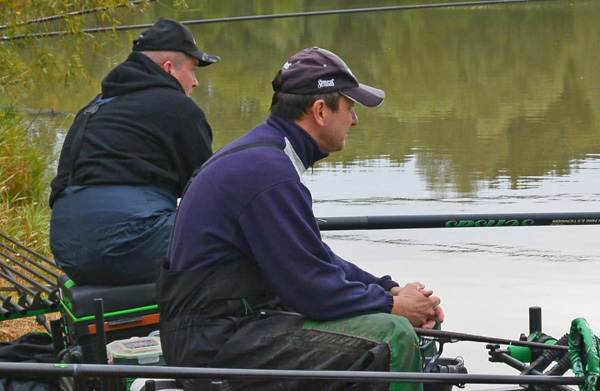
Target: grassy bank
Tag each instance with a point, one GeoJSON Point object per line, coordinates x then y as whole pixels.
{"type": "Point", "coordinates": [25, 155]}
{"type": "Point", "coordinates": [27, 144]}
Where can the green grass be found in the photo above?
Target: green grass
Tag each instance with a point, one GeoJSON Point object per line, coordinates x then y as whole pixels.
{"type": "Point", "coordinates": [25, 154]}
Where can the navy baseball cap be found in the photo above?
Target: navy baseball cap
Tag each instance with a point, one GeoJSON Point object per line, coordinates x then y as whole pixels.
{"type": "Point", "coordinates": [319, 71]}
{"type": "Point", "coordinates": [168, 34]}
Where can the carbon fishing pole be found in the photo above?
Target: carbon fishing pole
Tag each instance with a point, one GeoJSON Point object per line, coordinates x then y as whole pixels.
{"type": "Point", "coordinates": [458, 221]}
{"type": "Point", "coordinates": [29, 269]}
{"type": "Point", "coordinates": [23, 247]}
{"type": "Point", "coordinates": [35, 283]}
{"type": "Point", "coordinates": [40, 319]}
{"type": "Point", "coordinates": [38, 265]}
{"type": "Point", "coordinates": [4, 308]}
{"type": "Point", "coordinates": [45, 302]}
{"type": "Point", "coordinates": [8, 305]}
{"type": "Point", "coordinates": [481, 338]}
{"type": "Point", "coordinates": [74, 13]}
{"type": "Point", "coordinates": [280, 16]}
{"type": "Point", "coordinates": [133, 371]}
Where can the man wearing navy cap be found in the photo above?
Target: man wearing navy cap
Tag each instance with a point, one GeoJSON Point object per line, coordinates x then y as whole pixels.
{"type": "Point", "coordinates": [127, 158]}
{"type": "Point", "coordinates": [251, 284]}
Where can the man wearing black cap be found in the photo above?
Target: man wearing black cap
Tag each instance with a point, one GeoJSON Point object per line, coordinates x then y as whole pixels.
{"type": "Point", "coordinates": [126, 160]}
{"type": "Point", "coordinates": [250, 283]}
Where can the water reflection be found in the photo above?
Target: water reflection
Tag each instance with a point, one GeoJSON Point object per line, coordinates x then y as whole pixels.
{"type": "Point", "coordinates": [475, 93]}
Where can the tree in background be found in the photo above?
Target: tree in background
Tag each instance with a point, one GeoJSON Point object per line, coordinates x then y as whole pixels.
{"type": "Point", "coordinates": [26, 144]}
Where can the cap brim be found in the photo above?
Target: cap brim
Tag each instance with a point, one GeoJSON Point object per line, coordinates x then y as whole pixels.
{"type": "Point", "coordinates": [365, 95]}
{"type": "Point", "coordinates": [204, 59]}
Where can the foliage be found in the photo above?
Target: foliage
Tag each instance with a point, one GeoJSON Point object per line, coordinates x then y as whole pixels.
{"type": "Point", "coordinates": [26, 144]}
{"type": "Point", "coordinates": [24, 159]}
{"type": "Point", "coordinates": [25, 51]}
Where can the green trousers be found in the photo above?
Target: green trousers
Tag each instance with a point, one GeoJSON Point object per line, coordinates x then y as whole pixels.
{"type": "Point", "coordinates": [375, 342]}
{"type": "Point", "coordinates": [394, 331]}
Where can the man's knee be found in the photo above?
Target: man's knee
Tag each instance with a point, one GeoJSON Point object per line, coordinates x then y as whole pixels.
{"type": "Point", "coordinates": [396, 329]}
{"type": "Point", "coordinates": [380, 327]}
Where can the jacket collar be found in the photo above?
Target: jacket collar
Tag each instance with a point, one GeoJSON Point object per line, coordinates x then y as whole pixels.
{"type": "Point", "coordinates": [138, 72]}
{"type": "Point", "coordinates": [304, 145]}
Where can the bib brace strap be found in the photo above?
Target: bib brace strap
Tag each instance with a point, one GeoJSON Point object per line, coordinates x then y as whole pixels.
{"type": "Point", "coordinates": [76, 144]}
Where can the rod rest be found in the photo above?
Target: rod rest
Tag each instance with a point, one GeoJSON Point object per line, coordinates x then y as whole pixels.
{"type": "Point", "coordinates": [79, 300]}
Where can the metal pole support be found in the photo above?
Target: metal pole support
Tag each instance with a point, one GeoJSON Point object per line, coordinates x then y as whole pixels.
{"type": "Point", "coordinates": [535, 319]}
{"type": "Point", "coordinates": [58, 341]}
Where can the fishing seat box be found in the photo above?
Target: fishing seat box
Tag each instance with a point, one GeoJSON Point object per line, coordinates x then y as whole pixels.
{"type": "Point", "coordinates": [129, 311]}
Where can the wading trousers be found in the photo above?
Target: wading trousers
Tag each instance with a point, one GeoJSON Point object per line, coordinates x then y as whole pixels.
{"type": "Point", "coordinates": [111, 235]}
{"type": "Point", "coordinates": [375, 342]}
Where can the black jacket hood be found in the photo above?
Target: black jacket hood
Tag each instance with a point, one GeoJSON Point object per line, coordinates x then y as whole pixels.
{"type": "Point", "coordinates": [153, 134]}
{"type": "Point", "coordinates": [137, 72]}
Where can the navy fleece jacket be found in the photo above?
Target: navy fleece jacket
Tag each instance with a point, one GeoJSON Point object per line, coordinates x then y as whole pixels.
{"type": "Point", "coordinates": [252, 204]}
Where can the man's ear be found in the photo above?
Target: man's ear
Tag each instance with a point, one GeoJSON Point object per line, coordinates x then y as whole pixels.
{"type": "Point", "coordinates": [318, 111]}
{"type": "Point", "coordinates": [167, 66]}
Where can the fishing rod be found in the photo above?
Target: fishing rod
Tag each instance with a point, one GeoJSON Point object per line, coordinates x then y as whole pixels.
{"type": "Point", "coordinates": [29, 268]}
{"type": "Point", "coordinates": [52, 271]}
{"type": "Point", "coordinates": [458, 221]}
{"type": "Point", "coordinates": [74, 13]}
{"type": "Point", "coordinates": [23, 247]}
{"type": "Point", "coordinates": [480, 338]}
{"type": "Point", "coordinates": [8, 305]}
{"type": "Point", "coordinates": [132, 371]}
{"type": "Point", "coordinates": [40, 319]}
{"type": "Point", "coordinates": [281, 16]}
{"type": "Point", "coordinates": [27, 291]}
{"type": "Point", "coordinates": [5, 307]}
{"type": "Point", "coordinates": [24, 276]}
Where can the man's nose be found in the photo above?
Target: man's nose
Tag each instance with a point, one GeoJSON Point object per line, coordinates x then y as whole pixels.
{"type": "Point", "coordinates": [354, 118]}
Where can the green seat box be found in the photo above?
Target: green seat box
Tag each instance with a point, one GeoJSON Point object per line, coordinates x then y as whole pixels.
{"type": "Point", "coordinates": [129, 311]}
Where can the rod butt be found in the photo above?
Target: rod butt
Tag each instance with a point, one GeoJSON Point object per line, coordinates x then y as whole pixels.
{"type": "Point", "coordinates": [535, 319]}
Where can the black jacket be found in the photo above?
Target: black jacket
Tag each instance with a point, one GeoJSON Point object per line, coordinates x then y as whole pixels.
{"type": "Point", "coordinates": [152, 134]}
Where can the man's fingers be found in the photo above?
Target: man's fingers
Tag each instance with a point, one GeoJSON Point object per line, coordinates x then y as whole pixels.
{"type": "Point", "coordinates": [415, 285]}
{"type": "Point", "coordinates": [439, 314]}
{"type": "Point", "coordinates": [435, 301]}
{"type": "Point", "coordinates": [428, 325]}
{"type": "Point", "coordinates": [419, 305]}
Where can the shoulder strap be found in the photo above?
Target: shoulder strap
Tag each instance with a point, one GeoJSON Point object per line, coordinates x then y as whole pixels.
{"type": "Point", "coordinates": [208, 163]}
{"type": "Point", "coordinates": [76, 144]}
{"type": "Point", "coordinates": [228, 152]}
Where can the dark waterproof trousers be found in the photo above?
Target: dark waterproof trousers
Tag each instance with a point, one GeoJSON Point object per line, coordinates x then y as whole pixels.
{"type": "Point", "coordinates": [111, 235]}
{"type": "Point", "coordinates": [226, 316]}
{"type": "Point", "coordinates": [376, 342]}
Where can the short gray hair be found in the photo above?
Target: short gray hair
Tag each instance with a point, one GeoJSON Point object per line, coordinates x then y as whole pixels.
{"type": "Point", "coordinates": [162, 56]}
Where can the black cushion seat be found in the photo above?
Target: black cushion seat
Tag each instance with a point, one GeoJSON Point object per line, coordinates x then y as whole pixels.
{"type": "Point", "coordinates": [79, 300]}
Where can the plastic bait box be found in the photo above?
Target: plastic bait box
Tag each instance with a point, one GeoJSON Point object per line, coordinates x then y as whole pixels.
{"type": "Point", "coordinates": [135, 351]}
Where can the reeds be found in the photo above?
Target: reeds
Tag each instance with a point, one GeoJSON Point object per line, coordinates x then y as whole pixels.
{"type": "Point", "coordinates": [25, 156]}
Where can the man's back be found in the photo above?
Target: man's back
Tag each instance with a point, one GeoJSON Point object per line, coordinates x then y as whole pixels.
{"type": "Point", "coordinates": [258, 210]}
{"type": "Point", "coordinates": [127, 158]}
{"type": "Point", "coordinates": [261, 154]}
{"type": "Point", "coordinates": [151, 134]}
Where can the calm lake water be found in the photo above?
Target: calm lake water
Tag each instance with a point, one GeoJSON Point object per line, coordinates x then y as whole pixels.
{"type": "Point", "coordinates": [489, 109]}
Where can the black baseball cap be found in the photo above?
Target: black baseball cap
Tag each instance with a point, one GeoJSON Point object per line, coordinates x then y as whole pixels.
{"type": "Point", "coordinates": [319, 71]}
{"type": "Point", "coordinates": [168, 34]}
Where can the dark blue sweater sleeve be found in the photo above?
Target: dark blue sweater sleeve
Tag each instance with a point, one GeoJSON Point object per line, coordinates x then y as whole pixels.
{"type": "Point", "coordinates": [354, 273]}
{"type": "Point", "coordinates": [282, 233]}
